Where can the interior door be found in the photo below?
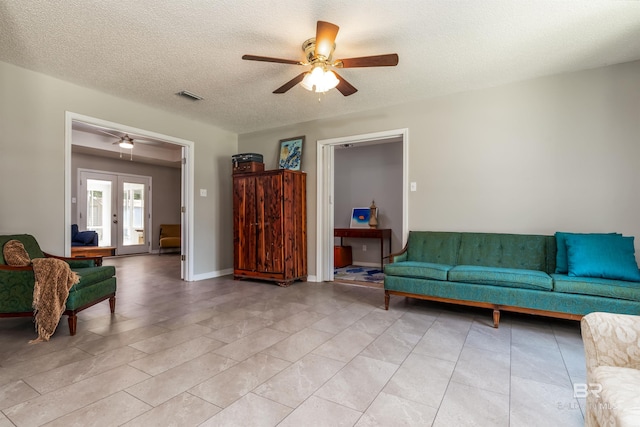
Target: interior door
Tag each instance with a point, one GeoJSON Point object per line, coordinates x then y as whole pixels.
{"type": "Point", "coordinates": [117, 208]}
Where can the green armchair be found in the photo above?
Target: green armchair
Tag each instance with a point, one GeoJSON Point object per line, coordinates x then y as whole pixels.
{"type": "Point", "coordinates": [97, 283]}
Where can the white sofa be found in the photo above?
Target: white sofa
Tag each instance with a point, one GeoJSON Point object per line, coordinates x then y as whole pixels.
{"type": "Point", "coordinates": [612, 352]}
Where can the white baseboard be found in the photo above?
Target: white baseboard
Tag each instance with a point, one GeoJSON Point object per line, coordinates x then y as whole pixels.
{"type": "Point", "coordinates": [212, 274]}
{"type": "Point", "coordinates": [367, 264]}
{"type": "Point", "coordinates": [227, 271]}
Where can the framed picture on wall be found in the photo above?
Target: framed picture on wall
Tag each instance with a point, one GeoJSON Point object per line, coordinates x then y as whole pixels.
{"type": "Point", "coordinates": [291, 153]}
{"type": "Point", "coordinates": [360, 217]}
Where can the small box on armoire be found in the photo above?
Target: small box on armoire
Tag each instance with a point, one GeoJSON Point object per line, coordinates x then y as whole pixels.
{"type": "Point", "coordinates": [247, 162]}
{"type": "Point", "coordinates": [248, 167]}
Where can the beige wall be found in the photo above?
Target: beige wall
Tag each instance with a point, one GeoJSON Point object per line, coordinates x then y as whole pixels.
{"type": "Point", "coordinates": [555, 153]}
{"type": "Point", "coordinates": [32, 144]}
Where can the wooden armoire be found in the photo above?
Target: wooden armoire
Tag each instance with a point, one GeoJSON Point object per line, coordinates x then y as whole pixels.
{"type": "Point", "coordinates": [270, 226]}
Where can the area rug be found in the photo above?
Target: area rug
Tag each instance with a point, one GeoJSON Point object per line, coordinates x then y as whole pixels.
{"type": "Point", "coordinates": [359, 274]}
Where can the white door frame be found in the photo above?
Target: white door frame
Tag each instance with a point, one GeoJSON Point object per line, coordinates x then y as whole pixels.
{"type": "Point", "coordinates": [187, 181]}
{"type": "Point", "coordinates": [325, 194]}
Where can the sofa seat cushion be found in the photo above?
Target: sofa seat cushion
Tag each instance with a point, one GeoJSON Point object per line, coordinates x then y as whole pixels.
{"type": "Point", "coordinates": [92, 275]}
{"type": "Point", "coordinates": [609, 288]}
{"type": "Point", "coordinates": [421, 270]}
{"type": "Point", "coordinates": [95, 283]}
{"type": "Point", "coordinates": [170, 242]}
{"type": "Point", "coordinates": [508, 277]}
{"type": "Point", "coordinates": [618, 402]}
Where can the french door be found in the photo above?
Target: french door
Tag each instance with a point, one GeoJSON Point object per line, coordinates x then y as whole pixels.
{"type": "Point", "coordinates": [116, 206]}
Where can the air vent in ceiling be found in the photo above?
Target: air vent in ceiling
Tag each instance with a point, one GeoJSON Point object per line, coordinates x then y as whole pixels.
{"type": "Point", "coordinates": [190, 95]}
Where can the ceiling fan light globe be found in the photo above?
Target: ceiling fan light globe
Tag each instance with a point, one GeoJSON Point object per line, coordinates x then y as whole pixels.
{"type": "Point", "coordinates": [326, 81]}
{"type": "Point", "coordinates": [330, 80]}
{"type": "Point", "coordinates": [307, 82]}
{"type": "Point", "coordinates": [319, 80]}
{"type": "Point", "coordinates": [313, 78]}
{"type": "Point", "coordinates": [126, 144]}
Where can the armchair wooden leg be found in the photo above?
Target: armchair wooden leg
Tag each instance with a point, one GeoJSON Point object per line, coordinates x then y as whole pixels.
{"type": "Point", "coordinates": [386, 300]}
{"type": "Point", "coordinates": [496, 318]}
{"type": "Point", "coordinates": [112, 304]}
{"type": "Point", "coordinates": [73, 323]}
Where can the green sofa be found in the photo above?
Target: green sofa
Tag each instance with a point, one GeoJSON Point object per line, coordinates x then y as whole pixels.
{"type": "Point", "coordinates": [510, 272]}
{"type": "Point", "coordinates": [97, 283]}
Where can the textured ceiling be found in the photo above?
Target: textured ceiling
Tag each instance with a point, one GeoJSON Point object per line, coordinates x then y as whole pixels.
{"type": "Point", "coordinates": [148, 50]}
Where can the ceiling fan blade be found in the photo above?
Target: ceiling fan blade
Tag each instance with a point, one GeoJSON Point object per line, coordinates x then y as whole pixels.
{"type": "Point", "coordinates": [146, 141]}
{"type": "Point", "coordinates": [326, 33]}
{"type": "Point", "coordinates": [108, 133]}
{"type": "Point", "coordinates": [344, 86]}
{"type": "Point", "coordinates": [291, 83]}
{"type": "Point", "coordinates": [268, 59]}
{"type": "Point", "coordinates": [389, 60]}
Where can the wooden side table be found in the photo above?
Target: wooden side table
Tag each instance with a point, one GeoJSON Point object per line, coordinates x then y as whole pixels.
{"type": "Point", "coordinates": [366, 233]}
{"type": "Point", "coordinates": [91, 251]}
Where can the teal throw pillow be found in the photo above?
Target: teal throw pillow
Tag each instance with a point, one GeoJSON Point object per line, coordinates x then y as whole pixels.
{"type": "Point", "coordinates": [609, 256]}
{"type": "Point", "coordinates": [562, 265]}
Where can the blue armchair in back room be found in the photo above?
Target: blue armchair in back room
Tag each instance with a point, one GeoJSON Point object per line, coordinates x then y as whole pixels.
{"type": "Point", "coordinates": [83, 238]}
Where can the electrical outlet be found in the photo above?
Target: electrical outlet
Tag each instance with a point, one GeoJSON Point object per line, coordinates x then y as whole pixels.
{"type": "Point", "coordinates": [414, 186]}
{"type": "Point", "coordinates": [364, 248]}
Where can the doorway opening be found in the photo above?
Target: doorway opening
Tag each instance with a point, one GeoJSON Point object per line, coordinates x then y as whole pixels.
{"type": "Point", "coordinates": [327, 201]}
{"type": "Point", "coordinates": [133, 230]}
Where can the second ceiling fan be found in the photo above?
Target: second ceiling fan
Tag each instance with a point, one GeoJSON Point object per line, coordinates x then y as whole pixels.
{"type": "Point", "coordinates": [319, 54]}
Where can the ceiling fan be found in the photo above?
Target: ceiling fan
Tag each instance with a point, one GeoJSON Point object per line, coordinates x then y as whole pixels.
{"type": "Point", "coordinates": [319, 55]}
{"type": "Point", "coordinates": [125, 141]}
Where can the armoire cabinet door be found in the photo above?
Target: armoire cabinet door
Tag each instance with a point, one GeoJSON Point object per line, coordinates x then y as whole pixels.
{"type": "Point", "coordinates": [245, 223]}
{"type": "Point", "coordinates": [270, 257]}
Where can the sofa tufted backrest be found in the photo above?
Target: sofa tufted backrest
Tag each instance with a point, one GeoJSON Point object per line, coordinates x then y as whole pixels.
{"type": "Point", "coordinates": [523, 251]}
{"type": "Point", "coordinates": [29, 242]}
{"type": "Point", "coordinates": [439, 247]}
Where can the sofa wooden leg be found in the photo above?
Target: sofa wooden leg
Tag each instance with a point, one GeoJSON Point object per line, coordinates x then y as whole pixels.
{"type": "Point", "coordinates": [112, 304]}
{"type": "Point", "coordinates": [496, 318]}
{"type": "Point", "coordinates": [73, 323]}
{"type": "Point", "coordinates": [386, 300]}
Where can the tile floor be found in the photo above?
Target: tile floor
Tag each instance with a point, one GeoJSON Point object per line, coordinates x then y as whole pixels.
{"type": "Point", "coordinates": [221, 352]}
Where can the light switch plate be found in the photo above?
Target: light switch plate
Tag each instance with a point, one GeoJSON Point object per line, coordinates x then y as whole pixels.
{"type": "Point", "coordinates": [414, 186]}
{"type": "Point", "coordinates": [203, 192]}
